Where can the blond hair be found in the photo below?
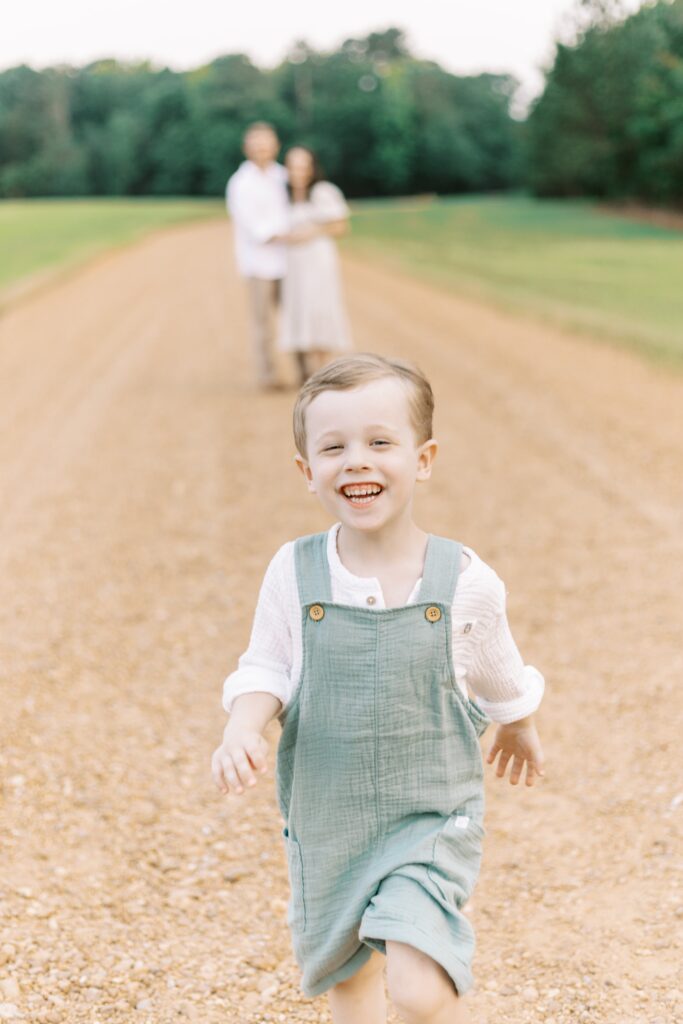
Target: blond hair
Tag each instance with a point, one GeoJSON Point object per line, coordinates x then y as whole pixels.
{"type": "Point", "coordinates": [353, 371]}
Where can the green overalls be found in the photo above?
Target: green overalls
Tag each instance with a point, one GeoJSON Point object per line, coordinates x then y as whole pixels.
{"type": "Point", "coordinates": [379, 778]}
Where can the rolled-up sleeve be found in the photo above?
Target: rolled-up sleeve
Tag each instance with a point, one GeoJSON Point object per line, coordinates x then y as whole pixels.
{"type": "Point", "coordinates": [266, 665]}
{"type": "Point", "coordinates": [505, 688]}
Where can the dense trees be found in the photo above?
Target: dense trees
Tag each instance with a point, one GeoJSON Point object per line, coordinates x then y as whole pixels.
{"type": "Point", "coordinates": [382, 122]}
{"type": "Point", "coordinates": [610, 121]}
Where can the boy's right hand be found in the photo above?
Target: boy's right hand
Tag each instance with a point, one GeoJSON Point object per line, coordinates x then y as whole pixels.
{"type": "Point", "coordinates": [240, 756]}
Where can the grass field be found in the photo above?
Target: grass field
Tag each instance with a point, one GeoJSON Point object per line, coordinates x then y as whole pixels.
{"type": "Point", "coordinates": [39, 235]}
{"type": "Point", "coordinates": [567, 260]}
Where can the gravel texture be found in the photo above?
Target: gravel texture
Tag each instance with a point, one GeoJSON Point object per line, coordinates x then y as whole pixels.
{"type": "Point", "coordinates": [145, 486]}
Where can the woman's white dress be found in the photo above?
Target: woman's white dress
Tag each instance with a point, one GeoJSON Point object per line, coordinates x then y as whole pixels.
{"type": "Point", "coordinates": [313, 314]}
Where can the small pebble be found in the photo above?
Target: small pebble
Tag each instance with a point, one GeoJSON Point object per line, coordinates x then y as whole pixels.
{"type": "Point", "coordinates": [8, 1011]}
{"type": "Point", "coordinates": [10, 989]}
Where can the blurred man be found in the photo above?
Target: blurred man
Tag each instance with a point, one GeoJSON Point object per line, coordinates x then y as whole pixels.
{"type": "Point", "coordinates": [256, 196]}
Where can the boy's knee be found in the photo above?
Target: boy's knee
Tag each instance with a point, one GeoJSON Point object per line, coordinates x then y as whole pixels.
{"type": "Point", "coordinates": [414, 1001]}
{"type": "Point", "coordinates": [364, 975]}
{"type": "Point", "coordinates": [418, 987]}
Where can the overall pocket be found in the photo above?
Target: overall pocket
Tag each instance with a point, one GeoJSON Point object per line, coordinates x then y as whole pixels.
{"type": "Point", "coordinates": [456, 858]}
{"type": "Point", "coordinates": [296, 910]}
{"type": "Point", "coordinates": [479, 720]}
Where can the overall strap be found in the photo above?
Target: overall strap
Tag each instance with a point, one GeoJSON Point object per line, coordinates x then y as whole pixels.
{"type": "Point", "coordinates": [441, 571]}
{"type": "Point", "coordinates": [312, 569]}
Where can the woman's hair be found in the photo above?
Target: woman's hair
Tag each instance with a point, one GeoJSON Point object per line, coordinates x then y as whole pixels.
{"type": "Point", "coordinates": [353, 371]}
{"type": "Point", "coordinates": [317, 170]}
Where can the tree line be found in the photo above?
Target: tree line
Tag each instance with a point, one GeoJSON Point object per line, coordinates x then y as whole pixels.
{"type": "Point", "coordinates": [609, 122]}
{"type": "Point", "coordinates": [382, 123]}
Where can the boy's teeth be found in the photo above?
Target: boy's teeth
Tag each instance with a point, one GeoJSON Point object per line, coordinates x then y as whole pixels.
{"type": "Point", "coordinates": [361, 494]}
{"type": "Point", "coordinates": [361, 491]}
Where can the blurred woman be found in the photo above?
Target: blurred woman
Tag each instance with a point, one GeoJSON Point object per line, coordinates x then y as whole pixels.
{"type": "Point", "coordinates": [314, 325]}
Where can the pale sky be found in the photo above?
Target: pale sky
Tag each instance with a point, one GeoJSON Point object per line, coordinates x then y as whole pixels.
{"type": "Point", "coordinates": [464, 36]}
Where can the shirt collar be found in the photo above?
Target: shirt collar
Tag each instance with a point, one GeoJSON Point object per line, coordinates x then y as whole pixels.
{"type": "Point", "coordinates": [361, 584]}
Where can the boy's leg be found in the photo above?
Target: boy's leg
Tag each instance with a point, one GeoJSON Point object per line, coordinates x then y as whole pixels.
{"type": "Point", "coordinates": [420, 989]}
{"type": "Point", "coordinates": [361, 999]}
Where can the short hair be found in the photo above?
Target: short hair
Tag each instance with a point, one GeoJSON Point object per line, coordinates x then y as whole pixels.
{"type": "Point", "coordinates": [353, 371]}
{"type": "Point", "coordinates": [259, 126]}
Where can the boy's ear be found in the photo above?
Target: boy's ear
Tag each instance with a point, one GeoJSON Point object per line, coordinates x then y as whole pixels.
{"type": "Point", "coordinates": [306, 470]}
{"type": "Point", "coordinates": [425, 459]}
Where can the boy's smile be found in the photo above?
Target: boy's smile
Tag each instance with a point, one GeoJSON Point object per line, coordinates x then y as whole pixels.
{"type": "Point", "coordinates": [361, 494]}
{"type": "Point", "coordinates": [363, 456]}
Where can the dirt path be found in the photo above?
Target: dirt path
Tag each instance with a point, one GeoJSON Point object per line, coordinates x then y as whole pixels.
{"type": "Point", "coordinates": [144, 487]}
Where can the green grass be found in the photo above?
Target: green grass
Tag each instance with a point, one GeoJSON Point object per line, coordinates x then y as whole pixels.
{"type": "Point", "coordinates": [41, 235]}
{"type": "Point", "coordinates": [564, 260]}
{"type": "Point", "coordinates": [567, 261]}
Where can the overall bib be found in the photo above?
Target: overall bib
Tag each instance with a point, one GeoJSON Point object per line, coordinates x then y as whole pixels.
{"type": "Point", "coordinates": [379, 778]}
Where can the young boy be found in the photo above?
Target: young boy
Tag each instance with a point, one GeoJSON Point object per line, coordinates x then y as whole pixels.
{"type": "Point", "coordinates": [365, 642]}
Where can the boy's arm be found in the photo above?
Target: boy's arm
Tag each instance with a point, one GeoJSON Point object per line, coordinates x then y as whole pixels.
{"type": "Point", "coordinates": [509, 692]}
{"type": "Point", "coordinates": [244, 749]}
{"type": "Point", "coordinates": [267, 664]}
{"type": "Point", "coordinates": [261, 686]}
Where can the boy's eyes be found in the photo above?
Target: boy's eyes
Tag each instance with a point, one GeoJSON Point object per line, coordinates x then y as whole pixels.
{"type": "Point", "coordinates": [380, 442]}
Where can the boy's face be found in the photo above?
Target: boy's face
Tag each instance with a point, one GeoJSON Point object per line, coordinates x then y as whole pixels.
{"type": "Point", "coordinates": [363, 457]}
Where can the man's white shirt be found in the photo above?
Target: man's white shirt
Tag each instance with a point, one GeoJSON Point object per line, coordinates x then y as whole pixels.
{"type": "Point", "coordinates": [258, 205]}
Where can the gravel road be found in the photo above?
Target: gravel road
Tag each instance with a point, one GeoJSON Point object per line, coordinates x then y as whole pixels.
{"type": "Point", "coordinates": [145, 485]}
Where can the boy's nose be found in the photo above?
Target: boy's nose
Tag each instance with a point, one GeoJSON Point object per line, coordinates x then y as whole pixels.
{"type": "Point", "coordinates": [357, 459]}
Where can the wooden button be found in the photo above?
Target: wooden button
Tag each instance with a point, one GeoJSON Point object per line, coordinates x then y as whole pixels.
{"type": "Point", "coordinates": [433, 614]}
{"type": "Point", "coordinates": [317, 612]}
{"type": "Point", "coordinates": [371, 599]}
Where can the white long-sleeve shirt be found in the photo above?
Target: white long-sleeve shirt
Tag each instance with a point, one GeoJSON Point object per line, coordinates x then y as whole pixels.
{"type": "Point", "coordinates": [486, 660]}
{"type": "Point", "coordinates": [257, 202]}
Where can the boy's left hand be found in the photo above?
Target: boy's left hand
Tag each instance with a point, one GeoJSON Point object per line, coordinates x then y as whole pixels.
{"type": "Point", "coordinates": [519, 741]}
